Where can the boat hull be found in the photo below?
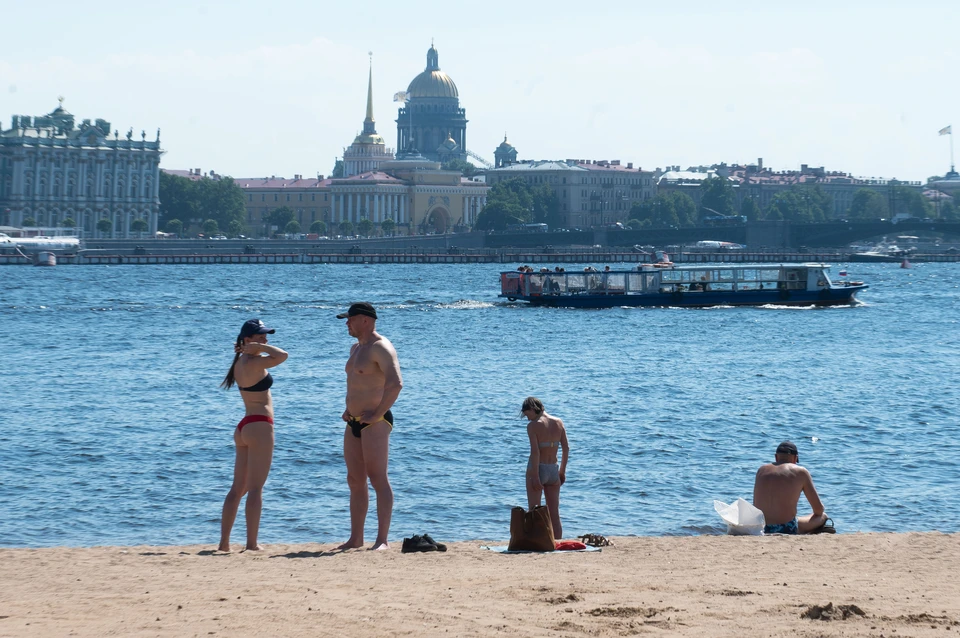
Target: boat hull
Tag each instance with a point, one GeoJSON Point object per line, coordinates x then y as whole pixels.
{"type": "Point", "coordinates": [837, 296]}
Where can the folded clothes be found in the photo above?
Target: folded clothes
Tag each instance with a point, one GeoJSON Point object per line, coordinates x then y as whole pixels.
{"type": "Point", "coordinates": [570, 546]}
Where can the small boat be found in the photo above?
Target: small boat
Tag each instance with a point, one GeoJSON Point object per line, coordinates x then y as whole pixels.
{"type": "Point", "coordinates": [905, 263]}
{"type": "Point", "coordinates": [682, 286]}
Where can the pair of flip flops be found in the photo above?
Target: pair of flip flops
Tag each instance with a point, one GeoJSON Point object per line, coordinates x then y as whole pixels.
{"type": "Point", "coordinates": [595, 540]}
{"type": "Point", "coordinates": [421, 543]}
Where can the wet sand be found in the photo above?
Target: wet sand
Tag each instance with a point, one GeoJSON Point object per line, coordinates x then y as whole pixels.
{"type": "Point", "coordinates": [875, 585]}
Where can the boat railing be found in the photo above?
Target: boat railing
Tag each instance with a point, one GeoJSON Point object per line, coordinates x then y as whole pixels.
{"type": "Point", "coordinates": [576, 283]}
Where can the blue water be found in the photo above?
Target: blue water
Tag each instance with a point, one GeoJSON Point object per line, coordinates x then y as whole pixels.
{"type": "Point", "coordinates": [116, 432]}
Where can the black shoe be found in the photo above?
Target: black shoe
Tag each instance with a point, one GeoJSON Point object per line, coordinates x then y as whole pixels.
{"type": "Point", "coordinates": [440, 546]}
{"type": "Point", "coordinates": [417, 544]}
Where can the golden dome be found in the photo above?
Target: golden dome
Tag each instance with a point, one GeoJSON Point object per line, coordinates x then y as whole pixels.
{"type": "Point", "coordinates": [433, 82]}
{"type": "Point", "coordinates": [368, 138]}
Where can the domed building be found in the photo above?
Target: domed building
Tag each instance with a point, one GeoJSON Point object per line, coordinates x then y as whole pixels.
{"type": "Point", "coordinates": [368, 150]}
{"type": "Point", "coordinates": [505, 154]}
{"type": "Point", "coordinates": [432, 121]}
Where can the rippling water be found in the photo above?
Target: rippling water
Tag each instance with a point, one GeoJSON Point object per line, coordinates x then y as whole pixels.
{"type": "Point", "coordinates": [118, 434]}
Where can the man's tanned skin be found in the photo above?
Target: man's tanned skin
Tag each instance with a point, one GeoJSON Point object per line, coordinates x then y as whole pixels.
{"type": "Point", "coordinates": [373, 384]}
{"type": "Point", "coordinates": [776, 491]}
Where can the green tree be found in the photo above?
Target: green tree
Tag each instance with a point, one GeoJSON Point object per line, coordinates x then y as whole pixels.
{"type": "Point", "coordinates": [280, 217]}
{"type": "Point", "coordinates": [634, 223]}
{"type": "Point", "coordinates": [717, 197]}
{"type": "Point", "coordinates": [545, 207]}
{"type": "Point", "coordinates": [210, 227]}
{"type": "Point", "coordinates": [346, 227]}
{"type": "Point", "coordinates": [318, 227]}
{"type": "Point", "coordinates": [337, 169]}
{"type": "Point", "coordinates": [69, 222]}
{"type": "Point", "coordinates": [800, 203]}
{"type": "Point", "coordinates": [174, 226]}
{"type": "Point", "coordinates": [508, 202]}
{"type": "Point", "coordinates": [685, 209]}
{"type": "Point", "coordinates": [29, 221]}
{"type": "Point", "coordinates": [750, 209]}
{"type": "Point", "coordinates": [221, 200]}
{"type": "Point", "coordinates": [388, 226]}
{"type": "Point", "coordinates": [104, 225]}
{"type": "Point", "coordinates": [139, 226]}
{"type": "Point", "coordinates": [178, 198]}
{"type": "Point", "coordinates": [365, 227]}
{"type": "Point", "coordinates": [235, 228]}
{"type": "Point", "coordinates": [292, 227]}
{"type": "Point", "coordinates": [466, 168]}
{"type": "Point", "coordinates": [868, 204]}
{"type": "Point", "coordinates": [948, 211]}
{"type": "Point", "coordinates": [909, 201]}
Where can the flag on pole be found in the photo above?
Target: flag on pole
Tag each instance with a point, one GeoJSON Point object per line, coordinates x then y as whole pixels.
{"type": "Point", "coordinates": [946, 130]}
{"type": "Point", "coordinates": [400, 96]}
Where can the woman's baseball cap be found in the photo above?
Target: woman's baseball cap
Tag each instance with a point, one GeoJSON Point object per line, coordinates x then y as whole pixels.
{"type": "Point", "coordinates": [254, 327]}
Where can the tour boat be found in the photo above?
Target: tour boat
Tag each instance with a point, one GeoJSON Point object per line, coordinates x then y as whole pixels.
{"type": "Point", "coordinates": [682, 286]}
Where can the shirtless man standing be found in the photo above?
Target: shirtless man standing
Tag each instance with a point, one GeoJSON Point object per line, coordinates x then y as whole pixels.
{"type": "Point", "coordinates": [776, 491]}
{"type": "Point", "coordinates": [373, 384]}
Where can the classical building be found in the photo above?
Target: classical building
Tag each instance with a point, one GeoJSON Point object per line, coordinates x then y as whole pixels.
{"type": "Point", "coordinates": [309, 199]}
{"type": "Point", "coordinates": [368, 149]}
{"type": "Point", "coordinates": [414, 192]}
{"type": "Point", "coordinates": [432, 121]}
{"type": "Point", "coordinates": [591, 192]}
{"type": "Point", "coordinates": [52, 170]}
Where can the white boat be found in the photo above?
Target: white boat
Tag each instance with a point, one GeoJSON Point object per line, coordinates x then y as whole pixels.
{"type": "Point", "coordinates": [39, 243]}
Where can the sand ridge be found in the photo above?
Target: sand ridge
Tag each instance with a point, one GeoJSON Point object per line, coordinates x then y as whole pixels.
{"type": "Point", "coordinates": [902, 584]}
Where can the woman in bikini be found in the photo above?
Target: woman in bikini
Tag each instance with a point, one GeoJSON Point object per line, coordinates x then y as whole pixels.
{"type": "Point", "coordinates": [253, 436]}
{"type": "Point", "coordinates": [544, 474]}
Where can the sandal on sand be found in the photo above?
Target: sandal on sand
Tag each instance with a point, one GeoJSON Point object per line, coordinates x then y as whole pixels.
{"type": "Point", "coordinates": [596, 540]}
{"type": "Point", "coordinates": [826, 528]}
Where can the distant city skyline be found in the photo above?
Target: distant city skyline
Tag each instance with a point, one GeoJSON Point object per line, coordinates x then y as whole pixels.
{"type": "Point", "coordinates": [251, 92]}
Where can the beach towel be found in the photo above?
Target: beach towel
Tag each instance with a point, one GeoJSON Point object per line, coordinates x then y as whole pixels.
{"type": "Point", "coordinates": [504, 549]}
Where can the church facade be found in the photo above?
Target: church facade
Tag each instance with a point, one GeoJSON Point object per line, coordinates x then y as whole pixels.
{"type": "Point", "coordinates": [53, 171]}
{"type": "Point", "coordinates": [431, 121]}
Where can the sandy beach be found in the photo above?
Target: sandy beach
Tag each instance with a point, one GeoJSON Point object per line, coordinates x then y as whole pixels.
{"type": "Point", "coordinates": [877, 585]}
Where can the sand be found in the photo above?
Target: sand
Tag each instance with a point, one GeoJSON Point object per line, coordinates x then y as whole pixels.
{"type": "Point", "coordinates": [902, 584]}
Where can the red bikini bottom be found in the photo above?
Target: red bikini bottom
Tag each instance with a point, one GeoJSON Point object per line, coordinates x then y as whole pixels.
{"type": "Point", "coordinates": [254, 418]}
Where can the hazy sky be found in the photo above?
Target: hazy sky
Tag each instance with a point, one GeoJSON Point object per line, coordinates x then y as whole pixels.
{"type": "Point", "coordinates": [256, 88]}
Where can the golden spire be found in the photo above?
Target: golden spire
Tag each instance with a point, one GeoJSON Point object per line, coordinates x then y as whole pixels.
{"type": "Point", "coordinates": [369, 117]}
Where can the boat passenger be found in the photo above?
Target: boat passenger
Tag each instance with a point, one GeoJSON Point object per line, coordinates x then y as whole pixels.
{"type": "Point", "coordinates": [253, 436]}
{"type": "Point", "coordinates": [776, 491]}
{"type": "Point", "coordinates": [545, 474]}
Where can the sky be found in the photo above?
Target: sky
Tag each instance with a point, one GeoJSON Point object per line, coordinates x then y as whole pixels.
{"type": "Point", "coordinates": [258, 89]}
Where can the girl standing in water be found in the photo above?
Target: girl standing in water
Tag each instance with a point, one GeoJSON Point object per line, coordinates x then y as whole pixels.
{"type": "Point", "coordinates": [544, 474]}
{"type": "Point", "coordinates": [253, 436]}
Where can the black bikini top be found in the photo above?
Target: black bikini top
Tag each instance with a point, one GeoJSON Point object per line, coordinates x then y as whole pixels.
{"type": "Point", "coordinates": [262, 385]}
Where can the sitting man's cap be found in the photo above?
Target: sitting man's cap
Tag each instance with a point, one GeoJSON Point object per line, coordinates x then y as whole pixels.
{"type": "Point", "coordinates": [254, 327]}
{"type": "Point", "coordinates": [787, 448]}
{"type": "Point", "coordinates": [359, 308]}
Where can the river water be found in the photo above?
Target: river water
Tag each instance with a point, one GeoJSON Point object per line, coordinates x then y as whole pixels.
{"type": "Point", "coordinates": [117, 432]}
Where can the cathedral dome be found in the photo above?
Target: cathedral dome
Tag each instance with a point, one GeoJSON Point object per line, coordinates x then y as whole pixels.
{"type": "Point", "coordinates": [433, 82]}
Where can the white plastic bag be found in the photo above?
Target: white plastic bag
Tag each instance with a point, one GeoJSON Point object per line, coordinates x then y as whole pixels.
{"type": "Point", "coordinates": [742, 518]}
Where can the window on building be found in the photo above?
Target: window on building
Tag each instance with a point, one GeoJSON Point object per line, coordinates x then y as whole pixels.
{"type": "Point", "coordinates": [250, 198]}
{"type": "Point", "coordinates": [288, 197]}
{"type": "Point", "coordinates": [300, 197]}
{"type": "Point", "coordinates": [276, 197]}
{"type": "Point", "coordinates": [313, 197]}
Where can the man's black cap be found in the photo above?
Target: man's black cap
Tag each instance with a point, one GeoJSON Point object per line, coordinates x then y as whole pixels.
{"type": "Point", "coordinates": [787, 448]}
{"type": "Point", "coordinates": [254, 327]}
{"type": "Point", "coordinates": [359, 308]}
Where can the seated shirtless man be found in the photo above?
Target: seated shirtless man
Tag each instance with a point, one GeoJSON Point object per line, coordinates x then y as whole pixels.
{"type": "Point", "coordinates": [776, 491]}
